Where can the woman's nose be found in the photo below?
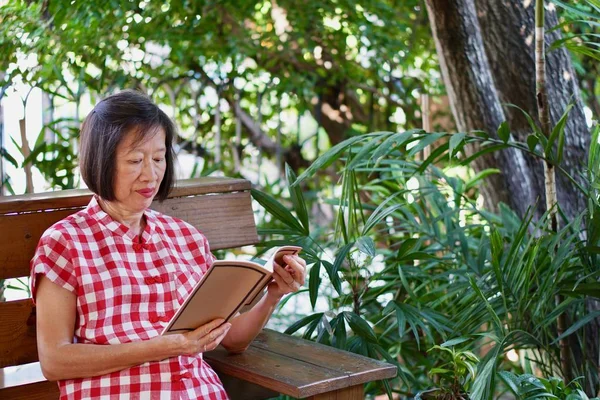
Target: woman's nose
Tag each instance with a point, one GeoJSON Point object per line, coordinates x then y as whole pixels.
{"type": "Point", "coordinates": [148, 171]}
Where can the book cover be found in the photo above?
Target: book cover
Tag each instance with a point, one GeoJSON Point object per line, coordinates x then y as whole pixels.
{"type": "Point", "coordinates": [226, 288]}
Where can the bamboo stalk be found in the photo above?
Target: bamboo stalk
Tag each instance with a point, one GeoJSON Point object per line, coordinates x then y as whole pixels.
{"type": "Point", "coordinates": [549, 169]}
{"type": "Point", "coordinates": [218, 128]}
{"type": "Point", "coordinates": [25, 151]}
{"type": "Point", "coordinates": [238, 134]}
{"type": "Point", "coordinates": [426, 118]}
{"type": "Point", "coordinates": [279, 151]}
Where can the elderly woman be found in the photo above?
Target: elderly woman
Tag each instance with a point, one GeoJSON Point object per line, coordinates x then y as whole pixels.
{"type": "Point", "coordinates": [99, 316]}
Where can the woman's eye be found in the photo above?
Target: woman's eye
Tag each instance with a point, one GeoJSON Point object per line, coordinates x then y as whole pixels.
{"type": "Point", "coordinates": [135, 161]}
{"type": "Point", "coordinates": [159, 159]}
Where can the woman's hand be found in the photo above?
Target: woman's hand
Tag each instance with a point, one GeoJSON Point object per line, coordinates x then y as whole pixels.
{"type": "Point", "coordinates": [289, 279]}
{"type": "Point", "coordinates": [203, 339]}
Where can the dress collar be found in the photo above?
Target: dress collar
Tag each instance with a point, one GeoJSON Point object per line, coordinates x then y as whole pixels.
{"type": "Point", "coordinates": [96, 212]}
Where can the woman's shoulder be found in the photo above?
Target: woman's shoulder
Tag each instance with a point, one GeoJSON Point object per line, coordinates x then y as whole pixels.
{"type": "Point", "coordinates": [69, 226]}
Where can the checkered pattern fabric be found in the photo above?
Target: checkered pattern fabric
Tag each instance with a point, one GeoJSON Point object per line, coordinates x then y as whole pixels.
{"type": "Point", "coordinates": [127, 290]}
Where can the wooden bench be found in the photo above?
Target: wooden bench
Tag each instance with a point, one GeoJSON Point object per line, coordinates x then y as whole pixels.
{"type": "Point", "coordinates": [274, 363]}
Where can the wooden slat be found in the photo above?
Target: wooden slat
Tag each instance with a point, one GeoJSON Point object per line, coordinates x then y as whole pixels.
{"type": "Point", "coordinates": [298, 367]}
{"type": "Point", "coordinates": [34, 391]}
{"type": "Point", "coordinates": [17, 333]}
{"type": "Point", "coordinates": [26, 382]}
{"type": "Point", "coordinates": [226, 219]}
{"type": "Point", "coordinates": [238, 389]}
{"type": "Point", "coordinates": [80, 197]}
{"type": "Point", "coordinates": [359, 369]}
{"type": "Point", "coordinates": [276, 372]}
{"type": "Point", "coordinates": [350, 393]}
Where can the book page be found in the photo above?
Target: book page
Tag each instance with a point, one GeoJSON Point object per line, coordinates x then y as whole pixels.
{"type": "Point", "coordinates": [226, 287]}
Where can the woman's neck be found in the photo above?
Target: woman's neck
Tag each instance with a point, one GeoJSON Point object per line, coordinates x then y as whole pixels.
{"type": "Point", "coordinates": [134, 220]}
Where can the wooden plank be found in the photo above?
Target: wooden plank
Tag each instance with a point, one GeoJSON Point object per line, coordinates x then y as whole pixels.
{"type": "Point", "coordinates": [226, 219]}
{"type": "Point", "coordinates": [21, 375]}
{"type": "Point", "coordinates": [80, 197]}
{"type": "Point", "coordinates": [34, 391]}
{"type": "Point", "coordinates": [238, 389]}
{"type": "Point", "coordinates": [277, 372]}
{"type": "Point", "coordinates": [350, 393]}
{"type": "Point", "coordinates": [19, 234]}
{"type": "Point", "coordinates": [359, 369]}
{"type": "Point", "coordinates": [17, 333]}
{"type": "Point", "coordinates": [26, 382]}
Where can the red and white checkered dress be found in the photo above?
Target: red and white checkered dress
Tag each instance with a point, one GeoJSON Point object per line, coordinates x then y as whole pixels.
{"type": "Point", "coordinates": [127, 290]}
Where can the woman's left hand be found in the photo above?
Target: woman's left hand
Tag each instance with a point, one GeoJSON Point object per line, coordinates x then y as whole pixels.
{"type": "Point", "coordinates": [287, 279]}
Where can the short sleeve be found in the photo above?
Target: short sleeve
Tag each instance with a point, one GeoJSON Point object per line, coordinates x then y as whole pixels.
{"type": "Point", "coordinates": [52, 260]}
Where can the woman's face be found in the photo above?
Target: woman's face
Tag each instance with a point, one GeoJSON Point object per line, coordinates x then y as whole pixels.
{"type": "Point", "coordinates": [140, 170]}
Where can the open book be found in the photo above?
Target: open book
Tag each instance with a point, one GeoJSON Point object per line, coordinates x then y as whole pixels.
{"type": "Point", "coordinates": [224, 290]}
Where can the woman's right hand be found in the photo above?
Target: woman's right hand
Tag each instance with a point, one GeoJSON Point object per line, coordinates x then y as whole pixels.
{"type": "Point", "coordinates": [203, 339]}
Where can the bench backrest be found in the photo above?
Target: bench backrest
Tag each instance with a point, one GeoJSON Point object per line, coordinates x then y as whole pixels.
{"type": "Point", "coordinates": [220, 207]}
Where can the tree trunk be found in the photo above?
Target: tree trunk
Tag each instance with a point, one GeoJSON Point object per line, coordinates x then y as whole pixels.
{"type": "Point", "coordinates": [474, 100]}
{"type": "Point", "coordinates": [487, 58]}
{"type": "Point", "coordinates": [508, 32]}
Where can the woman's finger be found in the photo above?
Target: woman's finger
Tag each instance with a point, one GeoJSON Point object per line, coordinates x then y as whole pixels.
{"type": "Point", "coordinates": [205, 329]}
{"type": "Point", "coordinates": [214, 343]}
{"type": "Point", "coordinates": [298, 271]}
{"type": "Point", "coordinates": [285, 275]}
{"type": "Point", "coordinates": [283, 286]}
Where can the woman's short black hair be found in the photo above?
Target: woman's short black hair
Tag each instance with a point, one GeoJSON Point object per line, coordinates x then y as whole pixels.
{"type": "Point", "coordinates": [106, 126]}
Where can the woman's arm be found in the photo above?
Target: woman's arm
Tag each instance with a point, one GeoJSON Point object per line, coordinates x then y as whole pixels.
{"type": "Point", "coordinates": [245, 327]}
{"type": "Point", "coordinates": [60, 358]}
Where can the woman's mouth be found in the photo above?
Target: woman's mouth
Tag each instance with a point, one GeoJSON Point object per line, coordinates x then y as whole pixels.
{"type": "Point", "coordinates": [147, 193]}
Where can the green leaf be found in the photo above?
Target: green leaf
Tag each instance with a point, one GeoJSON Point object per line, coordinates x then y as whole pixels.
{"type": "Point", "coordinates": [558, 132]}
{"type": "Point", "coordinates": [426, 141]}
{"type": "Point", "coordinates": [504, 131]}
{"type": "Point", "coordinates": [529, 118]}
{"type": "Point", "coordinates": [276, 209]}
{"type": "Point", "coordinates": [485, 150]}
{"type": "Point", "coordinates": [314, 281]}
{"type": "Point", "coordinates": [481, 175]}
{"type": "Point", "coordinates": [456, 142]}
{"type": "Point", "coordinates": [575, 10]}
{"type": "Point", "coordinates": [303, 322]}
{"type": "Point", "coordinates": [417, 255]}
{"type": "Point", "coordinates": [333, 276]}
{"type": "Point", "coordinates": [381, 212]}
{"type": "Point", "coordinates": [407, 246]}
{"type": "Point", "coordinates": [392, 142]}
{"type": "Point", "coordinates": [455, 341]}
{"type": "Point", "coordinates": [8, 157]}
{"type": "Point", "coordinates": [297, 199]}
{"type": "Point", "coordinates": [532, 142]}
{"type": "Point", "coordinates": [360, 326]}
{"type": "Point", "coordinates": [330, 156]}
{"type": "Point", "coordinates": [442, 371]}
{"type": "Point", "coordinates": [341, 256]}
{"type": "Point", "coordinates": [580, 323]}
{"type": "Point", "coordinates": [366, 245]}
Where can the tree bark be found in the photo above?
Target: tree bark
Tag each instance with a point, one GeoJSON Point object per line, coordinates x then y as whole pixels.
{"type": "Point", "coordinates": [474, 100]}
{"type": "Point", "coordinates": [508, 31]}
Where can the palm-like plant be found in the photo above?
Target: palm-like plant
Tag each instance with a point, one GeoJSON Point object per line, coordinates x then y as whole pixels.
{"type": "Point", "coordinates": [444, 269]}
